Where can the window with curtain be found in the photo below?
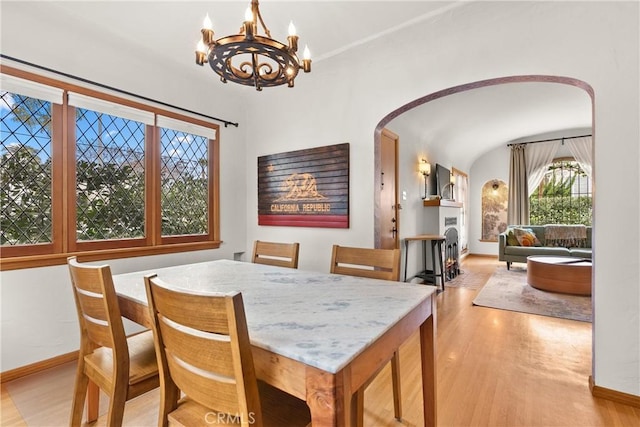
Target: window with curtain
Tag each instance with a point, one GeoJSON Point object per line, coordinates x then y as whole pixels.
{"type": "Point", "coordinates": [563, 195]}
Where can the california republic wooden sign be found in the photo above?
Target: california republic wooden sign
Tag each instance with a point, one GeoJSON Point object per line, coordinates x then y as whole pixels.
{"type": "Point", "coordinates": [305, 188]}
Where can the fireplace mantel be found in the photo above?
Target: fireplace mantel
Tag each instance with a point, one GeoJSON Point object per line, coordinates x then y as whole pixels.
{"type": "Point", "coordinates": [443, 203]}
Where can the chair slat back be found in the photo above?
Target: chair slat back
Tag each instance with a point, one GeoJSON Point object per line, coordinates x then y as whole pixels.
{"type": "Point", "coordinates": [97, 306]}
{"type": "Point", "coordinates": [277, 254]}
{"type": "Point", "coordinates": [364, 262]}
{"type": "Point", "coordinates": [206, 314]}
{"type": "Point", "coordinates": [203, 347]}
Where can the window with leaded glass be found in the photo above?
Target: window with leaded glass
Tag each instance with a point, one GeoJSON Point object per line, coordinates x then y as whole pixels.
{"type": "Point", "coordinates": [563, 196]}
{"type": "Point", "coordinates": [184, 178]}
{"type": "Point", "coordinates": [110, 177]}
{"type": "Point", "coordinates": [25, 170]}
{"type": "Point", "coordinates": [100, 173]}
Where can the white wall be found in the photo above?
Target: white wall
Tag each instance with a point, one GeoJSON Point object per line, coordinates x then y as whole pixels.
{"type": "Point", "coordinates": [346, 96]}
{"type": "Point", "coordinates": [492, 165]}
{"type": "Point", "coordinates": [343, 100]}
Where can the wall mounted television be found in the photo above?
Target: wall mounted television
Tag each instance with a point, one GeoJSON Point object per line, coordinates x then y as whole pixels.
{"type": "Point", "coordinates": [440, 176]}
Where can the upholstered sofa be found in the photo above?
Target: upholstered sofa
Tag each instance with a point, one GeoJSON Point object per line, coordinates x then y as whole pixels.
{"type": "Point", "coordinates": [510, 250]}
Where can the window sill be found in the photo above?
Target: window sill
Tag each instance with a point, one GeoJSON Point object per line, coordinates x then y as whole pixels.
{"type": "Point", "coordinates": [16, 263]}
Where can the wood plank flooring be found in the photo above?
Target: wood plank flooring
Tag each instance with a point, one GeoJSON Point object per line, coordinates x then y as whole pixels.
{"type": "Point", "coordinates": [495, 368]}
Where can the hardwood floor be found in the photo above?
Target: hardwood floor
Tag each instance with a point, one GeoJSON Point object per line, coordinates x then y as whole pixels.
{"type": "Point", "coordinates": [495, 368]}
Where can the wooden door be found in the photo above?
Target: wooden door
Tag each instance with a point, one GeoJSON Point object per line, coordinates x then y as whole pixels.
{"type": "Point", "coordinates": [389, 218]}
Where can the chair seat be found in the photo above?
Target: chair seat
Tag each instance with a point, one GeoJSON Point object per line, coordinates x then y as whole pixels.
{"type": "Point", "coordinates": [142, 360]}
{"type": "Point", "coordinates": [288, 408]}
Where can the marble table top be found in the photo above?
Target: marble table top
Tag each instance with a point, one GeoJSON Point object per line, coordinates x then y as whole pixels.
{"type": "Point", "coordinates": [323, 320]}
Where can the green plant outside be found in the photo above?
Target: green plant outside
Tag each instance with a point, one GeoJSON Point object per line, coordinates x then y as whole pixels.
{"type": "Point", "coordinates": [560, 210]}
{"type": "Point", "coordinates": [554, 203]}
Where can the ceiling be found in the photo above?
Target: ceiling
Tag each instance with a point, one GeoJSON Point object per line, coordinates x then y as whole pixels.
{"type": "Point", "coordinates": [471, 122]}
{"type": "Point", "coordinates": [479, 120]}
{"type": "Point", "coordinates": [171, 29]}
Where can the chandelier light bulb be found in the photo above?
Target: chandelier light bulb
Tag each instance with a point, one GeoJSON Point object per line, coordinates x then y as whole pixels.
{"type": "Point", "coordinates": [307, 53]}
{"type": "Point", "coordinates": [207, 24]}
{"type": "Point", "coordinates": [200, 47]}
{"type": "Point", "coordinates": [292, 29]}
{"type": "Point", "coordinates": [248, 14]}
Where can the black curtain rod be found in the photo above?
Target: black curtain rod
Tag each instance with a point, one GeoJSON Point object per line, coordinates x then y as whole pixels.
{"type": "Point", "coordinates": [547, 140]}
{"type": "Point", "coordinates": [226, 122]}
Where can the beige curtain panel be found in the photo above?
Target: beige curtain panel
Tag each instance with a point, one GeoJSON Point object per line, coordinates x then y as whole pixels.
{"type": "Point", "coordinates": [518, 205]}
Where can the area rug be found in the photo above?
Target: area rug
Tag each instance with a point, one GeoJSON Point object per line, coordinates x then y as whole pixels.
{"type": "Point", "coordinates": [508, 290]}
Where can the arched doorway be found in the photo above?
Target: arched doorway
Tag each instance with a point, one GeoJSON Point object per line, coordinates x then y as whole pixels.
{"type": "Point", "coordinates": [452, 91]}
{"type": "Point", "coordinates": [572, 82]}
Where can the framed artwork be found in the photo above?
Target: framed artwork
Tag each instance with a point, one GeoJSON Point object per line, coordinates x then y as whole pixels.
{"type": "Point", "coordinates": [495, 196]}
{"type": "Point", "coordinates": [305, 188]}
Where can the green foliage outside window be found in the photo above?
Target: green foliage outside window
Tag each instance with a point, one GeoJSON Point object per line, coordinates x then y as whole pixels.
{"type": "Point", "coordinates": [184, 206]}
{"type": "Point", "coordinates": [184, 183]}
{"type": "Point", "coordinates": [25, 199]}
{"type": "Point", "coordinates": [561, 197]}
{"type": "Point", "coordinates": [110, 201]}
{"type": "Point", "coordinates": [559, 210]}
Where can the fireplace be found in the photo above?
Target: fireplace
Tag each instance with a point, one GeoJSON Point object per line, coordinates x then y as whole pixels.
{"type": "Point", "coordinates": [451, 254]}
{"type": "Point", "coordinates": [442, 217]}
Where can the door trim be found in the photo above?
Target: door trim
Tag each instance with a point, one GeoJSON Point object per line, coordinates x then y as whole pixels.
{"type": "Point", "coordinates": [377, 221]}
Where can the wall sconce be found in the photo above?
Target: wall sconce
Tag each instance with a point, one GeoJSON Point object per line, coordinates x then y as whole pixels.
{"type": "Point", "coordinates": [424, 168]}
{"type": "Point", "coordinates": [452, 183]}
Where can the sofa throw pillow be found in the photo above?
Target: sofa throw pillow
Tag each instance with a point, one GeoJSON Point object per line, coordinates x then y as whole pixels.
{"type": "Point", "coordinates": [526, 237]}
{"type": "Point", "coordinates": [512, 240]}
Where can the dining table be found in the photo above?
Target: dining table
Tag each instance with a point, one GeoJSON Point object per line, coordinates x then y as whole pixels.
{"type": "Point", "coordinates": [320, 337]}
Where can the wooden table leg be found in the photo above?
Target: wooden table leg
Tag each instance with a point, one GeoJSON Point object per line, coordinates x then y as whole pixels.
{"type": "Point", "coordinates": [428, 362]}
{"type": "Point", "coordinates": [325, 399]}
{"type": "Point", "coordinates": [395, 380]}
{"type": "Point", "coordinates": [358, 410]}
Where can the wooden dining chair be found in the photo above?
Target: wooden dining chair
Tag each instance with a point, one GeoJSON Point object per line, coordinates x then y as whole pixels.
{"type": "Point", "coordinates": [278, 254]}
{"type": "Point", "coordinates": [375, 264]}
{"type": "Point", "coordinates": [123, 367]}
{"type": "Point", "coordinates": [207, 375]}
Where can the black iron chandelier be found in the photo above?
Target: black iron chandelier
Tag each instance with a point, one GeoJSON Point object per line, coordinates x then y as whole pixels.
{"type": "Point", "coordinates": [249, 58]}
